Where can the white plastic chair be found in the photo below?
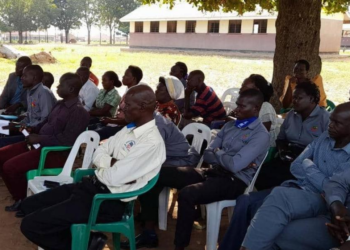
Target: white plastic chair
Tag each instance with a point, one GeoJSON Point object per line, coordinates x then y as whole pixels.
{"type": "Point", "coordinates": [200, 133]}
{"type": "Point", "coordinates": [229, 98]}
{"type": "Point", "coordinates": [214, 211]}
{"type": "Point", "coordinates": [92, 139]}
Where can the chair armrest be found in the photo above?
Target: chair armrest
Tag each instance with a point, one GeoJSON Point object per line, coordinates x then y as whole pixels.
{"type": "Point", "coordinates": [80, 173]}
{"type": "Point", "coordinates": [45, 151]}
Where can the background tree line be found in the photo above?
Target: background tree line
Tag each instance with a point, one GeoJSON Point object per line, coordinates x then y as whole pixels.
{"type": "Point", "coordinates": [32, 15]}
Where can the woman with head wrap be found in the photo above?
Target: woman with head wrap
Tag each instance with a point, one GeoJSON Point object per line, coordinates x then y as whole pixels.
{"type": "Point", "coordinates": [168, 90]}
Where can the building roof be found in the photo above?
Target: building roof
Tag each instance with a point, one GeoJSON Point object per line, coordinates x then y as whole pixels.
{"type": "Point", "coordinates": [186, 11]}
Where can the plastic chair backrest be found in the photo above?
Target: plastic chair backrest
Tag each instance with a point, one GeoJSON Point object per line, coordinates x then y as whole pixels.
{"type": "Point", "coordinates": [330, 106]}
{"type": "Point", "coordinates": [200, 133]}
{"type": "Point", "coordinates": [92, 140]}
{"type": "Point", "coordinates": [251, 185]}
{"type": "Point", "coordinates": [233, 92]}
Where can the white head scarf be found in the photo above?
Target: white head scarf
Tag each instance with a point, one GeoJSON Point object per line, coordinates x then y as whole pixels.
{"type": "Point", "coordinates": [175, 87]}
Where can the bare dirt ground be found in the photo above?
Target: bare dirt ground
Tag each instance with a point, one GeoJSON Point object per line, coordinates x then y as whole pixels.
{"type": "Point", "coordinates": [11, 237]}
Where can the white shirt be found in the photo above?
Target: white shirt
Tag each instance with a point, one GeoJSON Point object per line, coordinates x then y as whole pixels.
{"type": "Point", "coordinates": [88, 94]}
{"type": "Point", "coordinates": [268, 114]}
{"type": "Point", "coordinates": [140, 152]}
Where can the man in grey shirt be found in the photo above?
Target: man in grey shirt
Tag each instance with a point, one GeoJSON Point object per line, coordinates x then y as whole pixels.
{"type": "Point", "coordinates": [327, 156]}
{"type": "Point", "coordinates": [40, 101]}
{"type": "Point", "coordinates": [14, 95]}
{"type": "Point", "coordinates": [235, 154]}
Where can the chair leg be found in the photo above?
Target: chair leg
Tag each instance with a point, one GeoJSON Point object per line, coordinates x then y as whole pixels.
{"type": "Point", "coordinates": [163, 208]}
{"type": "Point", "coordinates": [213, 225]}
{"type": "Point", "coordinates": [116, 241]}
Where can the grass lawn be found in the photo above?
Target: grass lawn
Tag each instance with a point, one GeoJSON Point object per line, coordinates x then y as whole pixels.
{"type": "Point", "coordinates": [222, 71]}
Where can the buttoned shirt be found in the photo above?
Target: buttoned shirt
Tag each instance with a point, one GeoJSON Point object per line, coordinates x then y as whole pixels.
{"type": "Point", "coordinates": [178, 151]}
{"type": "Point", "coordinates": [140, 152]}
{"type": "Point", "coordinates": [111, 98]}
{"type": "Point", "coordinates": [338, 188]}
{"type": "Point", "coordinates": [239, 148]}
{"type": "Point", "coordinates": [65, 123]}
{"type": "Point", "coordinates": [295, 130]}
{"type": "Point", "coordinates": [40, 101]}
{"type": "Point", "coordinates": [318, 162]}
{"type": "Point", "coordinates": [88, 94]}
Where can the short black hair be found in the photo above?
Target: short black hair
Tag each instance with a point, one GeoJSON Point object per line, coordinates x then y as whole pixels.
{"type": "Point", "coordinates": [183, 67]}
{"type": "Point", "coordinates": [73, 80]}
{"type": "Point", "coordinates": [87, 58]}
{"type": "Point", "coordinates": [310, 89]}
{"type": "Point", "coordinates": [50, 77]}
{"type": "Point", "coordinates": [84, 69]}
{"type": "Point", "coordinates": [198, 72]}
{"type": "Point", "coordinates": [306, 63]}
{"type": "Point", "coordinates": [38, 71]}
{"type": "Point", "coordinates": [254, 94]}
{"type": "Point", "coordinates": [136, 72]}
{"type": "Point", "coordinates": [25, 59]}
{"type": "Point", "coordinates": [263, 85]}
{"type": "Point", "coordinates": [114, 77]}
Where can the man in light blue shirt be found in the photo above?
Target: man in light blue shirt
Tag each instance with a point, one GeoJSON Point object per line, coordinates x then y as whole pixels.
{"type": "Point", "coordinates": [327, 156]}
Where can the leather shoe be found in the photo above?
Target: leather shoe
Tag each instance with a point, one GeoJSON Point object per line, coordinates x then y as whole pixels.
{"type": "Point", "coordinates": [97, 241]}
{"type": "Point", "coordinates": [20, 214]}
{"type": "Point", "coordinates": [14, 207]}
{"type": "Point", "coordinates": [142, 240]}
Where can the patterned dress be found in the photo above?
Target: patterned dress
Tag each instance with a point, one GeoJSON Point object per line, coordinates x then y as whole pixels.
{"type": "Point", "coordinates": [170, 111]}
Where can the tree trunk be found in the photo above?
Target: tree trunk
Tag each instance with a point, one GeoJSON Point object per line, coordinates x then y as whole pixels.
{"type": "Point", "coordinates": [10, 37]}
{"type": "Point", "coordinates": [39, 36]}
{"type": "Point", "coordinates": [20, 37]}
{"type": "Point", "coordinates": [297, 37]}
{"type": "Point", "coordinates": [110, 34]}
{"type": "Point", "coordinates": [100, 35]}
{"type": "Point", "coordinates": [67, 35]}
{"type": "Point", "coordinates": [89, 33]}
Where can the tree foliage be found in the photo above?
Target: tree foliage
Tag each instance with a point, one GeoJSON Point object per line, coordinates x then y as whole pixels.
{"type": "Point", "coordinates": [330, 6]}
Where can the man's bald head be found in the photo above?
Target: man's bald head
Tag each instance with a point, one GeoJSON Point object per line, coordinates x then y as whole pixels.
{"type": "Point", "coordinates": [140, 103]}
{"type": "Point", "coordinates": [340, 122]}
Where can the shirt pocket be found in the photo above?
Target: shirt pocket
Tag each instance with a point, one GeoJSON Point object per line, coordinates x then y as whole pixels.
{"type": "Point", "coordinates": [315, 130]}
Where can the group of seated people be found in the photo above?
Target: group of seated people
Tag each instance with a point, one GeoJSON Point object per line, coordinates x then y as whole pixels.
{"type": "Point", "coordinates": [303, 191]}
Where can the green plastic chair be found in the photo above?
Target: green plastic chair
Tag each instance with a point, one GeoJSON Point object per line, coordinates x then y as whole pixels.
{"type": "Point", "coordinates": [271, 155]}
{"type": "Point", "coordinates": [330, 106]}
{"type": "Point", "coordinates": [50, 171]}
{"type": "Point", "coordinates": [81, 232]}
{"type": "Point", "coordinates": [284, 110]}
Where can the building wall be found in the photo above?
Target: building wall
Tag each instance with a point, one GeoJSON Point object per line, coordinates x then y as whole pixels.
{"type": "Point", "coordinates": [331, 35]}
{"type": "Point", "coordinates": [132, 27]}
{"type": "Point", "coordinates": [331, 29]}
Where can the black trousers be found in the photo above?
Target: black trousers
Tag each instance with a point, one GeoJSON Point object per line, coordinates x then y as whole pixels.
{"type": "Point", "coordinates": [194, 189]}
{"type": "Point", "coordinates": [50, 214]}
{"type": "Point", "coordinates": [273, 174]}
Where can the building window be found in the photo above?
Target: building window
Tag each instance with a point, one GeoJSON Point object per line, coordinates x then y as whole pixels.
{"type": "Point", "coordinates": [139, 27]}
{"type": "Point", "coordinates": [190, 26]}
{"type": "Point", "coordinates": [155, 27]}
{"type": "Point", "coordinates": [260, 26]}
{"type": "Point", "coordinates": [235, 26]}
{"type": "Point", "coordinates": [171, 26]}
{"type": "Point", "coordinates": [213, 26]}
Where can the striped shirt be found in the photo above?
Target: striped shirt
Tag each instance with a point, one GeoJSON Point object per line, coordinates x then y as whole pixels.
{"type": "Point", "coordinates": [208, 106]}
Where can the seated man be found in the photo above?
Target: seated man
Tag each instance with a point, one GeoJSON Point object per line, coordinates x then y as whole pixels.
{"type": "Point", "coordinates": [14, 95]}
{"type": "Point", "coordinates": [126, 162]}
{"type": "Point", "coordinates": [328, 154]}
{"type": "Point", "coordinates": [207, 105]}
{"type": "Point", "coordinates": [48, 80]}
{"type": "Point", "coordinates": [87, 62]}
{"type": "Point", "coordinates": [40, 101]}
{"type": "Point", "coordinates": [236, 151]}
{"type": "Point", "coordinates": [300, 74]}
{"type": "Point", "coordinates": [89, 91]}
{"type": "Point", "coordinates": [65, 123]}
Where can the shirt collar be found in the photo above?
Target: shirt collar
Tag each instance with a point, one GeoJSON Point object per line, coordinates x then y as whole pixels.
{"type": "Point", "coordinates": [142, 129]}
{"type": "Point", "coordinates": [35, 88]}
{"type": "Point", "coordinates": [206, 87]}
{"type": "Point", "coordinates": [254, 124]}
{"type": "Point", "coordinates": [345, 148]}
{"type": "Point", "coordinates": [70, 103]}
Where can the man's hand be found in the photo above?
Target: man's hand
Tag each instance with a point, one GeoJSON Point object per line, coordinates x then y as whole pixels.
{"type": "Point", "coordinates": [293, 80]}
{"type": "Point", "coordinates": [33, 139]}
{"type": "Point", "coordinates": [339, 227]}
{"type": "Point", "coordinates": [105, 120]}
